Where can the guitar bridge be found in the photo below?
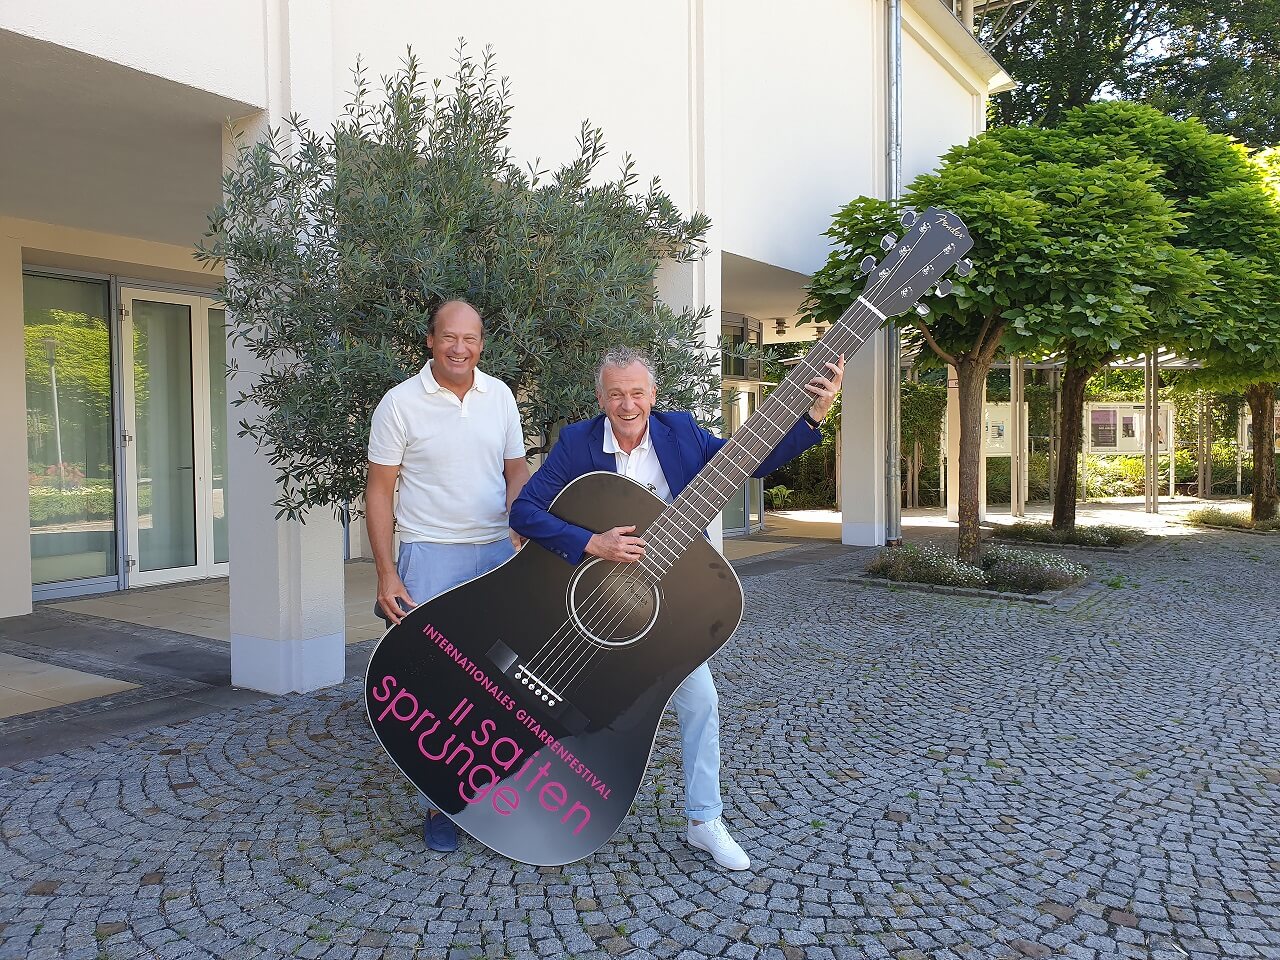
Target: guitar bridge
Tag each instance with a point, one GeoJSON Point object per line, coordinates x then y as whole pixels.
{"type": "Point", "coordinates": [528, 678]}
{"type": "Point", "coordinates": [550, 701]}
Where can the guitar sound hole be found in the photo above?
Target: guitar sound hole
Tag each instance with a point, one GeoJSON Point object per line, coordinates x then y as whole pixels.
{"type": "Point", "coordinates": [611, 605]}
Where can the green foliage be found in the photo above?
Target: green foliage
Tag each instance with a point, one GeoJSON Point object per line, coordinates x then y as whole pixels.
{"type": "Point", "coordinates": [338, 244]}
{"type": "Point", "coordinates": [777, 498]}
{"type": "Point", "coordinates": [90, 502]}
{"type": "Point", "coordinates": [82, 355]}
{"type": "Point", "coordinates": [1029, 571]}
{"type": "Point", "coordinates": [1214, 60]}
{"type": "Point", "coordinates": [811, 477]}
{"type": "Point", "coordinates": [922, 408]}
{"type": "Point", "coordinates": [1073, 250]}
{"type": "Point", "coordinates": [1003, 568]}
{"type": "Point", "coordinates": [924, 563]}
{"type": "Point", "coordinates": [1095, 535]}
{"type": "Point", "coordinates": [1218, 517]}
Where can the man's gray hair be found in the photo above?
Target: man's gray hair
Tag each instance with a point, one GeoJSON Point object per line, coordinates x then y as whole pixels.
{"type": "Point", "coordinates": [622, 357]}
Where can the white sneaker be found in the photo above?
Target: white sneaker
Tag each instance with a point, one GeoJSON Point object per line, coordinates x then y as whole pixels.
{"type": "Point", "coordinates": [712, 837]}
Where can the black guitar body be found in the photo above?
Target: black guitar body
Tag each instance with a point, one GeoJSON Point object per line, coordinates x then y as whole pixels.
{"type": "Point", "coordinates": [524, 703]}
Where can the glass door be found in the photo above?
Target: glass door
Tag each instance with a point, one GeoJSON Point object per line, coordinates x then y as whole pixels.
{"type": "Point", "coordinates": [70, 434]}
{"type": "Point", "coordinates": [175, 501]}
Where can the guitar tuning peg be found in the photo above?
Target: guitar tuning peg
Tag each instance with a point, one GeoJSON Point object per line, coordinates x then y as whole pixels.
{"type": "Point", "coordinates": [964, 267]}
{"type": "Point", "coordinates": [908, 218]}
{"type": "Point", "coordinates": [888, 241]}
{"type": "Point", "coordinates": [868, 264]}
{"type": "Point", "coordinates": [943, 288]}
{"type": "Point", "coordinates": [922, 309]}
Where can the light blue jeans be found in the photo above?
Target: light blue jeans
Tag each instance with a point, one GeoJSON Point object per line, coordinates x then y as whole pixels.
{"type": "Point", "coordinates": [698, 709]}
{"type": "Point", "coordinates": [429, 569]}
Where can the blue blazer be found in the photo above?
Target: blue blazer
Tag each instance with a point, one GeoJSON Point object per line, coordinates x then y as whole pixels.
{"type": "Point", "coordinates": [682, 447]}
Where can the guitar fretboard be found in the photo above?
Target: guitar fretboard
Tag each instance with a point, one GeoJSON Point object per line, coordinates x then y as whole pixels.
{"type": "Point", "coordinates": [697, 505]}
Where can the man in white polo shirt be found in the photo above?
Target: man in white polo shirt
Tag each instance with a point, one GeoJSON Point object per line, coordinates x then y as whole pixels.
{"type": "Point", "coordinates": [452, 437]}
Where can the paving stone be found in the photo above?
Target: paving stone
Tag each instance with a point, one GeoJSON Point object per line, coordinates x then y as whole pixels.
{"type": "Point", "coordinates": [914, 776]}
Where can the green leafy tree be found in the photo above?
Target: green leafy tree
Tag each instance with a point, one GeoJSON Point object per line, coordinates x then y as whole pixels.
{"type": "Point", "coordinates": [1240, 229]}
{"type": "Point", "coordinates": [1217, 60]}
{"type": "Point", "coordinates": [1227, 202]}
{"type": "Point", "coordinates": [337, 245]}
{"type": "Point", "coordinates": [1062, 235]}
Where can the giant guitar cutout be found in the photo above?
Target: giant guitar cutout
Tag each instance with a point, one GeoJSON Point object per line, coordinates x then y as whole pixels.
{"type": "Point", "coordinates": [524, 703]}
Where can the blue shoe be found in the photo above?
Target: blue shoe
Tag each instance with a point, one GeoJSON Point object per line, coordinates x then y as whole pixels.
{"type": "Point", "coordinates": [439, 833]}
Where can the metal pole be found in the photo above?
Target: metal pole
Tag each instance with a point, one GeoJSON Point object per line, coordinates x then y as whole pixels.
{"type": "Point", "coordinates": [1148, 430]}
{"type": "Point", "coordinates": [1017, 440]}
{"type": "Point", "coordinates": [1155, 440]}
{"type": "Point", "coordinates": [50, 349]}
{"type": "Point", "coordinates": [1054, 415]}
{"type": "Point", "coordinates": [893, 373]}
{"type": "Point", "coordinates": [1239, 451]}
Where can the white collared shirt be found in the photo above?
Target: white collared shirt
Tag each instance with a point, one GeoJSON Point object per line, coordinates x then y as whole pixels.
{"type": "Point", "coordinates": [641, 464]}
{"type": "Point", "coordinates": [451, 457]}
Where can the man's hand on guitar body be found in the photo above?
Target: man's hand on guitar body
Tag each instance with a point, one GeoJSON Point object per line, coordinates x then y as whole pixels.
{"type": "Point", "coordinates": [616, 545]}
{"type": "Point", "coordinates": [391, 593]}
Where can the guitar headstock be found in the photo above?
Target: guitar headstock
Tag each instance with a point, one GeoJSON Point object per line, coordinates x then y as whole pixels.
{"type": "Point", "coordinates": [934, 242]}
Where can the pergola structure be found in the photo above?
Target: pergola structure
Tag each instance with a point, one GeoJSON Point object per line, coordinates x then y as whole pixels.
{"type": "Point", "coordinates": [1151, 365]}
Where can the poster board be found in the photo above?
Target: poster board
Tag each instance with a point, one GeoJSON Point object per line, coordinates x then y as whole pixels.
{"type": "Point", "coordinates": [997, 422]}
{"type": "Point", "coordinates": [1120, 428]}
{"type": "Point", "coordinates": [1246, 430]}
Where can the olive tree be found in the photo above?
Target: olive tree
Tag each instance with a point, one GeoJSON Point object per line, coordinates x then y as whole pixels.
{"type": "Point", "coordinates": [338, 243]}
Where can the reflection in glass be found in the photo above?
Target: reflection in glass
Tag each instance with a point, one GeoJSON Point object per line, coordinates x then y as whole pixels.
{"type": "Point", "coordinates": [70, 455]}
{"type": "Point", "coordinates": [218, 421]}
{"type": "Point", "coordinates": [165, 441]}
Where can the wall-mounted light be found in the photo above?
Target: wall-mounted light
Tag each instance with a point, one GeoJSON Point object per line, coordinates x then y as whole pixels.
{"type": "Point", "coordinates": [780, 326]}
{"type": "Point", "coordinates": [819, 331]}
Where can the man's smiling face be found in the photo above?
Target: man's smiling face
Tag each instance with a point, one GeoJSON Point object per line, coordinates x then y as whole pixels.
{"type": "Point", "coordinates": [456, 343]}
{"type": "Point", "coordinates": [626, 396]}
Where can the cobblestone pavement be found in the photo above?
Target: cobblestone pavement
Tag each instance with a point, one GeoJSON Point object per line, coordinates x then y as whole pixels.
{"type": "Point", "coordinates": [915, 776]}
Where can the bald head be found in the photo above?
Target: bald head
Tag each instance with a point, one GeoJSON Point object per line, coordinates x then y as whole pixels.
{"type": "Point", "coordinates": [455, 313]}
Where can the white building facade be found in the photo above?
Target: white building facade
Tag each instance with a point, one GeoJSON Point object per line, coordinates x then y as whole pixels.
{"type": "Point", "coordinates": [123, 471]}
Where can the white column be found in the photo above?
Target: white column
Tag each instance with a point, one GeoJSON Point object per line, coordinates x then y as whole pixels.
{"type": "Point", "coordinates": [697, 285]}
{"type": "Point", "coordinates": [953, 451]}
{"type": "Point", "coordinates": [15, 517]}
{"type": "Point", "coordinates": [862, 446]}
{"type": "Point", "coordinates": [288, 619]}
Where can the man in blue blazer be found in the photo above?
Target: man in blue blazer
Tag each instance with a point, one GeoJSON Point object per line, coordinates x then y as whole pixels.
{"type": "Point", "coordinates": [663, 451]}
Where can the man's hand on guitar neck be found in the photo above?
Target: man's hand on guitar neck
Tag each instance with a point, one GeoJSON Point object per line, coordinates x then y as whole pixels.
{"type": "Point", "coordinates": [616, 545]}
{"type": "Point", "coordinates": [825, 390]}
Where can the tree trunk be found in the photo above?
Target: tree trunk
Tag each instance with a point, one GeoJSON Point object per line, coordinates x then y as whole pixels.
{"type": "Point", "coordinates": [1070, 440]}
{"type": "Point", "coordinates": [1262, 404]}
{"type": "Point", "coordinates": [971, 380]}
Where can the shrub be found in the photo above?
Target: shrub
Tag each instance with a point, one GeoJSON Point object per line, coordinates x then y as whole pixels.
{"type": "Point", "coordinates": [1098, 535]}
{"type": "Point", "coordinates": [925, 564]}
{"type": "Point", "coordinates": [1003, 568]}
{"type": "Point", "coordinates": [338, 243]}
{"type": "Point", "coordinates": [1029, 571]}
{"type": "Point", "coordinates": [1218, 517]}
{"type": "Point", "coordinates": [777, 497]}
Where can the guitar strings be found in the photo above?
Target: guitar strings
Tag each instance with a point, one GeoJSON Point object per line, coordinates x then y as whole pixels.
{"type": "Point", "coordinates": [595, 615]}
{"type": "Point", "coordinates": [582, 662]}
{"type": "Point", "coordinates": [799, 388]}
{"type": "Point", "coordinates": [620, 611]}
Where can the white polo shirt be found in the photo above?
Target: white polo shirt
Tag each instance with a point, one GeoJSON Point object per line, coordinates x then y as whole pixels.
{"type": "Point", "coordinates": [450, 453]}
{"type": "Point", "coordinates": [641, 464]}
